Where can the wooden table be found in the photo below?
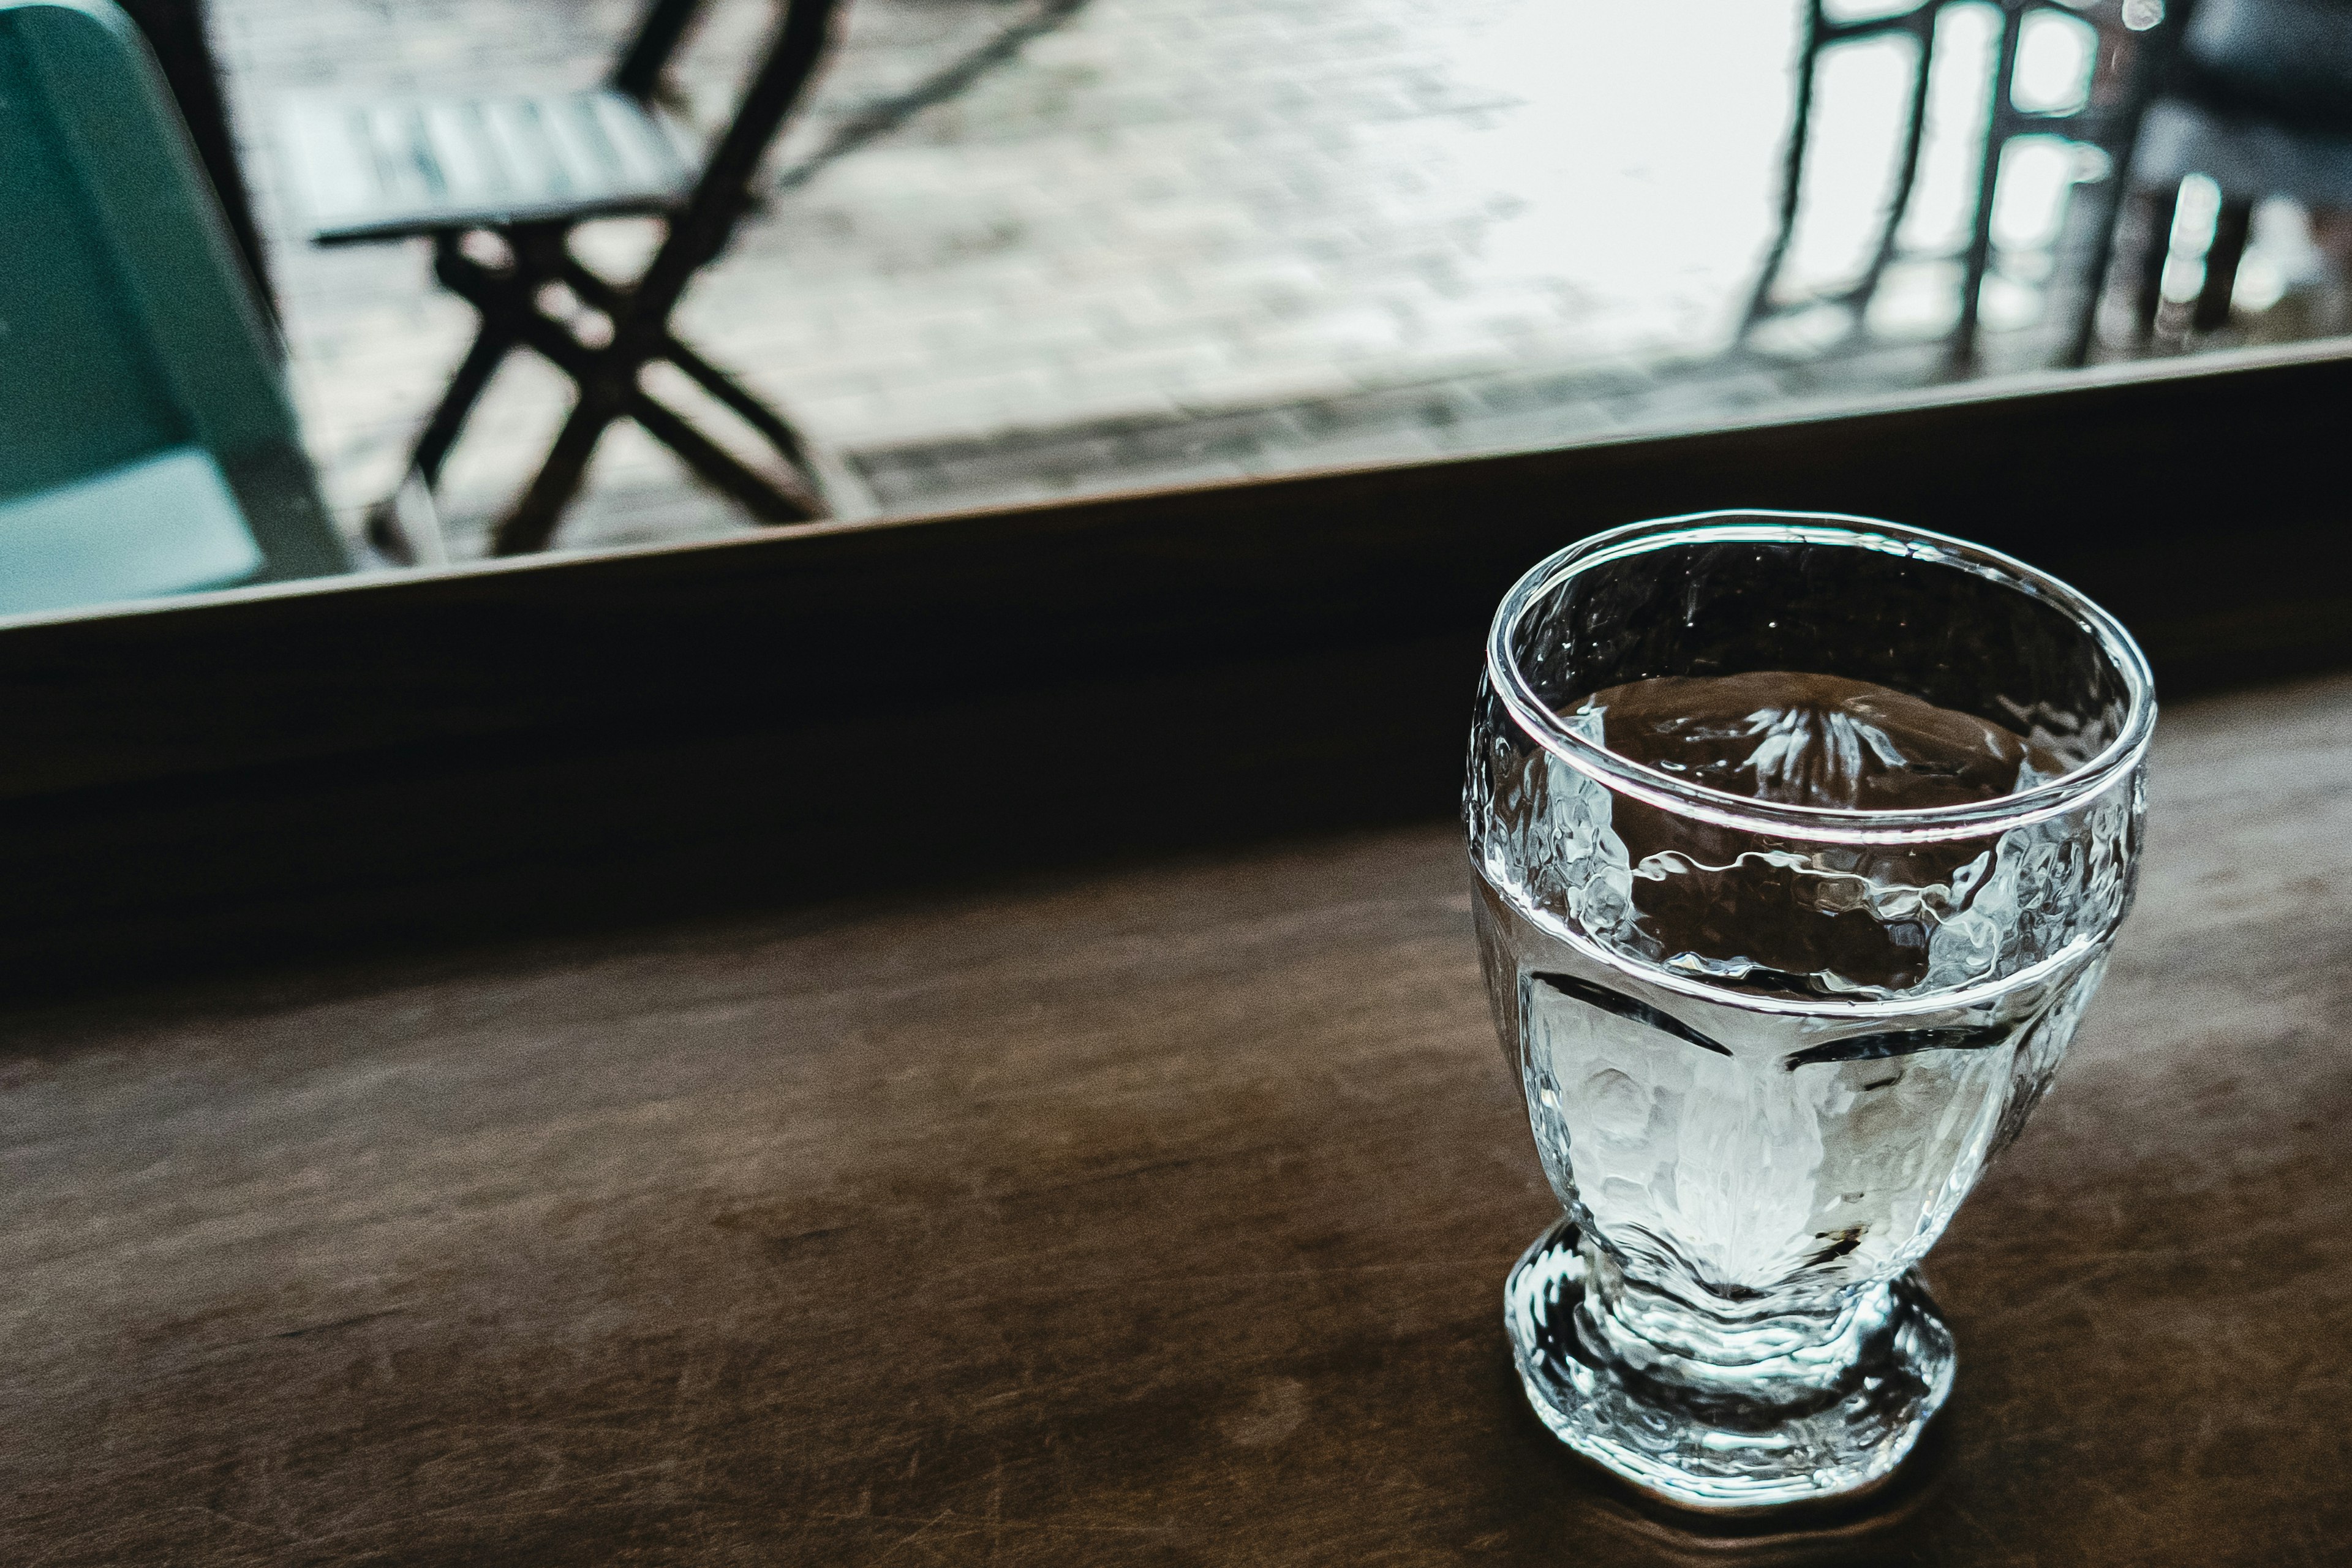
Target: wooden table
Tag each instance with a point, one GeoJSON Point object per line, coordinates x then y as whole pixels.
{"type": "Point", "coordinates": [1151, 1217]}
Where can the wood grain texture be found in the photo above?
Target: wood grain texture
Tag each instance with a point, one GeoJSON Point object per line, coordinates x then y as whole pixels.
{"type": "Point", "coordinates": [1150, 1217]}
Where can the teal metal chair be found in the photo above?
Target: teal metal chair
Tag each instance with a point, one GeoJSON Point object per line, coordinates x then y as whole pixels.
{"type": "Point", "coordinates": [147, 444]}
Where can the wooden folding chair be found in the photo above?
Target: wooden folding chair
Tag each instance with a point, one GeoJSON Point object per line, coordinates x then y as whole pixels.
{"type": "Point", "coordinates": [528, 170]}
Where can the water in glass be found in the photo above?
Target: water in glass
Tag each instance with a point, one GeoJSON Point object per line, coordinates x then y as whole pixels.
{"type": "Point", "coordinates": [1765, 1060]}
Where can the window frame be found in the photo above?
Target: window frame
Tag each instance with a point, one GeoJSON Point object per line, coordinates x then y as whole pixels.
{"type": "Point", "coordinates": [277, 771]}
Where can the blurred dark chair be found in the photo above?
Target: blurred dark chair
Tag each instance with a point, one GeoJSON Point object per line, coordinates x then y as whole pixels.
{"type": "Point", "coordinates": [147, 444]}
{"type": "Point", "coordinates": [2256, 95]}
{"type": "Point", "coordinates": [2105, 120]}
{"type": "Point", "coordinates": [523, 171]}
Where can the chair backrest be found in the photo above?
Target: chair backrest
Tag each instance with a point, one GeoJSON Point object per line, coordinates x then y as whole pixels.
{"type": "Point", "coordinates": [147, 444]}
{"type": "Point", "coordinates": [659, 32]}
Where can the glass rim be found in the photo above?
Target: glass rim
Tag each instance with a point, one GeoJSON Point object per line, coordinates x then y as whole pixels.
{"type": "Point", "coordinates": [2114, 763]}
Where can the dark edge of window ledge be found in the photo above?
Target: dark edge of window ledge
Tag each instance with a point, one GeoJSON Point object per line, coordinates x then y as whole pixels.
{"type": "Point", "coordinates": [262, 776]}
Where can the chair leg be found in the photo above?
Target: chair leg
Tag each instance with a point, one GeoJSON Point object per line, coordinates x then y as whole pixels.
{"type": "Point", "coordinates": [1961, 357]}
{"type": "Point", "coordinates": [2106, 213]}
{"type": "Point", "coordinates": [393, 523]}
{"type": "Point", "coordinates": [491, 346]}
{"type": "Point", "coordinates": [1906, 178]}
{"type": "Point", "coordinates": [532, 522]}
{"type": "Point", "coordinates": [793, 500]}
{"type": "Point", "coordinates": [2222, 258]}
{"type": "Point", "coordinates": [2155, 210]}
{"type": "Point", "coordinates": [728, 391]}
{"type": "Point", "coordinates": [609, 390]}
{"type": "Point", "coordinates": [800, 499]}
{"type": "Point", "coordinates": [1792, 176]}
{"type": "Point", "coordinates": [411, 518]}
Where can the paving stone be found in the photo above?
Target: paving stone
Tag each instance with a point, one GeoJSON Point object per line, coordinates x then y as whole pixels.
{"type": "Point", "coordinates": [1022, 247]}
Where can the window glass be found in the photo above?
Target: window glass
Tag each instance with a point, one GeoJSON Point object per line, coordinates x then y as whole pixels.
{"type": "Point", "coordinates": [1005, 251]}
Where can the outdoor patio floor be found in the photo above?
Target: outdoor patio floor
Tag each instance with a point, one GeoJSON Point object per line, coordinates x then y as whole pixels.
{"type": "Point", "coordinates": [1020, 248]}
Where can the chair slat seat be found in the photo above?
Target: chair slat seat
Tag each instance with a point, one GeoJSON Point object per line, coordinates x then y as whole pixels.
{"type": "Point", "coordinates": [401, 166]}
{"type": "Point", "coordinates": [527, 168]}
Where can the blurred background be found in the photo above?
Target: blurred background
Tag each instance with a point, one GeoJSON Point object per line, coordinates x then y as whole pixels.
{"type": "Point", "coordinates": [1015, 249]}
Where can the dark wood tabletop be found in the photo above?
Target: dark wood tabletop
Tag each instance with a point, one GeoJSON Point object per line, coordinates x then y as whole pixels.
{"type": "Point", "coordinates": [1156, 1216]}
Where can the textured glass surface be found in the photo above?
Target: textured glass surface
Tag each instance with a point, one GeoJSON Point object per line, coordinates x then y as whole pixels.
{"type": "Point", "coordinates": [1799, 845]}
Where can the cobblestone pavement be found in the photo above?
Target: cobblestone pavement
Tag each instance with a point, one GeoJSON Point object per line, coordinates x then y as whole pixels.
{"type": "Point", "coordinates": [1144, 240]}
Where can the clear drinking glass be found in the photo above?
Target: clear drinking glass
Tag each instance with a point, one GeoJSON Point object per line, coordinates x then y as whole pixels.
{"type": "Point", "coordinates": [1800, 841]}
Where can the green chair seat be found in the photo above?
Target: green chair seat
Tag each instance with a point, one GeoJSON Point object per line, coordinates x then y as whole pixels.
{"type": "Point", "coordinates": [166, 524]}
{"type": "Point", "coordinates": [147, 443]}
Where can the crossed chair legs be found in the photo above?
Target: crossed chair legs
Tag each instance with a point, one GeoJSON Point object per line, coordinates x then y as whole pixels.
{"type": "Point", "coordinates": [624, 333]}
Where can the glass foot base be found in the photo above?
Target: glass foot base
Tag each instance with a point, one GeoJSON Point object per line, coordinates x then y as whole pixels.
{"type": "Point", "coordinates": [1706, 1449]}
